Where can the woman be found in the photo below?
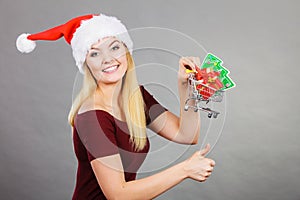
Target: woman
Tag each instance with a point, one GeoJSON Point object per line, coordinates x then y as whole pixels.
{"type": "Point", "coordinates": [111, 112]}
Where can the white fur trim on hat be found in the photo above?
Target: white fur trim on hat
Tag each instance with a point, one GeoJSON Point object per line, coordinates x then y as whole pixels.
{"type": "Point", "coordinates": [25, 45]}
{"type": "Point", "coordinates": [91, 30]}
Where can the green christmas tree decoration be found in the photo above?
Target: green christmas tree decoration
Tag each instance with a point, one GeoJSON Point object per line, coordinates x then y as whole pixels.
{"type": "Point", "coordinates": [212, 61]}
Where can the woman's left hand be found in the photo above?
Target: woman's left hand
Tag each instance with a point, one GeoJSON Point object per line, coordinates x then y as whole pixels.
{"type": "Point", "coordinates": [187, 63]}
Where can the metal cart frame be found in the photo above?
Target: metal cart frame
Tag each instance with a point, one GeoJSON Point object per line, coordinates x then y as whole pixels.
{"type": "Point", "coordinates": [194, 94]}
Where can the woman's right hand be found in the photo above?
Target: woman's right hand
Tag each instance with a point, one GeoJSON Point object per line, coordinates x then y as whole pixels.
{"type": "Point", "coordinates": [198, 167]}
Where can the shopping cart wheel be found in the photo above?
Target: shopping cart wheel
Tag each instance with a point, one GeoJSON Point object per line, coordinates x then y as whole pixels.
{"type": "Point", "coordinates": [209, 115]}
{"type": "Point", "coordinates": [186, 107]}
{"type": "Point", "coordinates": [215, 115]}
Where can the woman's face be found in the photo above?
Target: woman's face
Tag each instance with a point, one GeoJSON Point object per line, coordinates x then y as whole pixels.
{"type": "Point", "coordinates": [107, 60]}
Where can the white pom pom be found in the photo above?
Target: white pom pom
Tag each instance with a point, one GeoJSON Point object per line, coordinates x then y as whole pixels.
{"type": "Point", "coordinates": [25, 45]}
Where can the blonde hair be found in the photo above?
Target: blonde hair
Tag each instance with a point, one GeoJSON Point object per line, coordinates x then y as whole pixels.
{"type": "Point", "coordinates": [132, 102]}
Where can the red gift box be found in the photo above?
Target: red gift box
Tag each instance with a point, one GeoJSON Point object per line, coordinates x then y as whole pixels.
{"type": "Point", "coordinates": [210, 82]}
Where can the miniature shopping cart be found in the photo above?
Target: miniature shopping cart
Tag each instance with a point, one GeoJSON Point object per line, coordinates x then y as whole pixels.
{"type": "Point", "coordinates": [199, 93]}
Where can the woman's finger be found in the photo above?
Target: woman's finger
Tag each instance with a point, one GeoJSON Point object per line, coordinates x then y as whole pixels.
{"type": "Point", "coordinates": [204, 151]}
{"type": "Point", "coordinates": [187, 61]}
{"type": "Point", "coordinates": [195, 60]}
{"type": "Point", "coordinates": [206, 174]}
{"type": "Point", "coordinates": [201, 178]}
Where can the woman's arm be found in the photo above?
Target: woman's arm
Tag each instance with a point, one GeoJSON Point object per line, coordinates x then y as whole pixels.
{"type": "Point", "coordinates": [186, 128]}
{"type": "Point", "coordinates": [110, 176]}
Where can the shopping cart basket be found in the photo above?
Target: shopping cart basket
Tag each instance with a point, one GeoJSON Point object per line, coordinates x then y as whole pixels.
{"type": "Point", "coordinates": [200, 92]}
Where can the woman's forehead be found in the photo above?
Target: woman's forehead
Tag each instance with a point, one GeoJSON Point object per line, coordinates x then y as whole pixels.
{"type": "Point", "coordinates": [104, 42]}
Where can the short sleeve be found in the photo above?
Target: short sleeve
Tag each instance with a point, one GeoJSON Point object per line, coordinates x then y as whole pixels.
{"type": "Point", "coordinates": [96, 131]}
{"type": "Point", "coordinates": [152, 107]}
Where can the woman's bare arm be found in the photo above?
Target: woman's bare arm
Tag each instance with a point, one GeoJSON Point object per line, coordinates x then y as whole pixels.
{"type": "Point", "coordinates": [168, 126]}
{"type": "Point", "coordinates": [184, 129]}
{"type": "Point", "coordinates": [110, 176]}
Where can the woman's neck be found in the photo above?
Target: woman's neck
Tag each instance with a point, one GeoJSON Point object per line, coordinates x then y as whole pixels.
{"type": "Point", "coordinates": [109, 94]}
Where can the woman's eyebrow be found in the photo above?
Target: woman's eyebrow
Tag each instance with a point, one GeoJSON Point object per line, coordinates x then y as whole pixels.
{"type": "Point", "coordinates": [113, 42]}
{"type": "Point", "coordinates": [108, 45]}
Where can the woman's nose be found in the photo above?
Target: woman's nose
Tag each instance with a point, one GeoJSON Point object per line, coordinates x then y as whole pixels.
{"type": "Point", "coordinates": [107, 58]}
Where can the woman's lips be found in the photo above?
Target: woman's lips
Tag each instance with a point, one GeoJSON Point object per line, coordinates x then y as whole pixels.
{"type": "Point", "coordinates": [111, 69]}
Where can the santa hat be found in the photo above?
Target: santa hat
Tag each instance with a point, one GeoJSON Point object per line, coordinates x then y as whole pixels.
{"type": "Point", "coordinates": [81, 33]}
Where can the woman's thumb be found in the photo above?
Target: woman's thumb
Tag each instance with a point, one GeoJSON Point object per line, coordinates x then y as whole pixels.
{"type": "Point", "coordinates": [204, 151]}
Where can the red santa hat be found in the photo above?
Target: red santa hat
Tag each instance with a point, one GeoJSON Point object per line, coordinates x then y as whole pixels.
{"type": "Point", "coordinates": [81, 33]}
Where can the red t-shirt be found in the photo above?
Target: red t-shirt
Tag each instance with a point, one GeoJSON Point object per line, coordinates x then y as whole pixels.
{"type": "Point", "coordinates": [97, 134]}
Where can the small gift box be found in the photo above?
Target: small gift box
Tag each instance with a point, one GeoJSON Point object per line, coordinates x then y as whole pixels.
{"type": "Point", "coordinates": [210, 82]}
{"type": "Point", "coordinates": [205, 91]}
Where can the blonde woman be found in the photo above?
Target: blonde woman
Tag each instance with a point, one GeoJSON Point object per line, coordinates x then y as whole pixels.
{"type": "Point", "coordinates": [110, 115]}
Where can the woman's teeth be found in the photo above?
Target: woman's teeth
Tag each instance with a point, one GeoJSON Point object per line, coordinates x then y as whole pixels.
{"type": "Point", "coordinates": [111, 69]}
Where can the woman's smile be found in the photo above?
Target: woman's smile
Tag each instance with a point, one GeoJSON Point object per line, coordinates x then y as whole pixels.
{"type": "Point", "coordinates": [111, 69]}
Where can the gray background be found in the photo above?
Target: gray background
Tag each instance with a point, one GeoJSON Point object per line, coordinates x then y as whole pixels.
{"type": "Point", "coordinates": [257, 155]}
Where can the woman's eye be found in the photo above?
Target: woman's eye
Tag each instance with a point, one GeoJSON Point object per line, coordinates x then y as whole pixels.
{"type": "Point", "coordinates": [93, 54]}
{"type": "Point", "coordinates": [115, 47]}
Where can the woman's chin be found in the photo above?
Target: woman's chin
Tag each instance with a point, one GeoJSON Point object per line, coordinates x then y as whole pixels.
{"type": "Point", "coordinates": [112, 80]}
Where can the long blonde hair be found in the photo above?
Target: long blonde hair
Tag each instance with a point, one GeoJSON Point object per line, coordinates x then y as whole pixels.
{"type": "Point", "coordinates": [132, 102]}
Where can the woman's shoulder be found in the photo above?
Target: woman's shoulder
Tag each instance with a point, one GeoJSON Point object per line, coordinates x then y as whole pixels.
{"type": "Point", "coordinates": [86, 105]}
{"type": "Point", "coordinates": [89, 104]}
{"type": "Point", "coordinates": [90, 107]}
{"type": "Point", "coordinates": [91, 119]}
{"type": "Point", "coordinates": [142, 88]}
{"type": "Point", "coordinates": [144, 91]}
